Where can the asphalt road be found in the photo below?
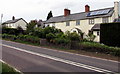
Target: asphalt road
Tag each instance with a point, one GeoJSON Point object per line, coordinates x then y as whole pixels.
{"type": "Point", "coordinates": [27, 58]}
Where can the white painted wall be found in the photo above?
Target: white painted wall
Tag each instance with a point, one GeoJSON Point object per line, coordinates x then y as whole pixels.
{"type": "Point", "coordinates": [97, 38]}
{"type": "Point", "coordinates": [20, 23]}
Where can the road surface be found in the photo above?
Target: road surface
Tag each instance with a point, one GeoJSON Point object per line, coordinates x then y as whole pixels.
{"type": "Point", "coordinates": [27, 58]}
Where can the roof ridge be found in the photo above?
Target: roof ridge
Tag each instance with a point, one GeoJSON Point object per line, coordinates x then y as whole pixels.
{"type": "Point", "coordinates": [84, 12]}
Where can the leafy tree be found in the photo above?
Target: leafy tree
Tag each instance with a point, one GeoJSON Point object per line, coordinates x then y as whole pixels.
{"type": "Point", "coordinates": [49, 15]}
{"type": "Point", "coordinates": [30, 27]}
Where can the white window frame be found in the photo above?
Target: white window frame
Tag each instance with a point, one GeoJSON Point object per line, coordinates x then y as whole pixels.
{"type": "Point", "coordinates": [68, 23]}
{"type": "Point", "coordinates": [77, 22]}
{"type": "Point", "coordinates": [91, 21]}
{"type": "Point", "coordinates": [105, 20]}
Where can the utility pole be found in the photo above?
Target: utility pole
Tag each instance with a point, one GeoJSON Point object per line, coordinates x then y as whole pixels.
{"type": "Point", "coordinates": [1, 18]}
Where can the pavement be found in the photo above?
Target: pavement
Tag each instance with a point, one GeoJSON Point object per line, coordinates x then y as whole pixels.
{"type": "Point", "coordinates": [28, 58]}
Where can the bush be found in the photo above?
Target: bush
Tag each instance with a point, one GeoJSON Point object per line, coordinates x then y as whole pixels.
{"type": "Point", "coordinates": [12, 31]}
{"type": "Point", "coordinates": [96, 47]}
{"type": "Point", "coordinates": [10, 37]}
{"type": "Point", "coordinates": [62, 41]}
{"type": "Point", "coordinates": [73, 36]}
{"type": "Point", "coordinates": [29, 38]}
{"type": "Point", "coordinates": [50, 36]}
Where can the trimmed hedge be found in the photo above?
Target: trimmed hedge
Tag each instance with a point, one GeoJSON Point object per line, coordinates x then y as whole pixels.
{"type": "Point", "coordinates": [100, 48]}
{"type": "Point", "coordinates": [12, 31]}
{"type": "Point", "coordinates": [110, 34]}
{"type": "Point", "coordinates": [26, 38]}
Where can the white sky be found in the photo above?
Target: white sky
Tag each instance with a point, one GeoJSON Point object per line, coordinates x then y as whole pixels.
{"type": "Point", "coordinates": [39, 9]}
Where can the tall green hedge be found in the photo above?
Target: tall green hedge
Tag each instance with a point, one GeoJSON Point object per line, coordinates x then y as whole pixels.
{"type": "Point", "coordinates": [110, 34]}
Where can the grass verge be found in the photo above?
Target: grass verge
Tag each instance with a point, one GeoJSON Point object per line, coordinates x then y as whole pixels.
{"type": "Point", "coordinates": [6, 69]}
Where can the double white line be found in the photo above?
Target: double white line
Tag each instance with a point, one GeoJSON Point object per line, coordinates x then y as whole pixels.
{"type": "Point", "coordinates": [62, 60]}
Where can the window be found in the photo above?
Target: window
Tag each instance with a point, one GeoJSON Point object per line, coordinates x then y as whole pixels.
{"type": "Point", "coordinates": [68, 23]}
{"type": "Point", "coordinates": [105, 20]}
{"type": "Point", "coordinates": [91, 21]}
{"type": "Point", "coordinates": [98, 33]}
{"type": "Point", "coordinates": [78, 22]}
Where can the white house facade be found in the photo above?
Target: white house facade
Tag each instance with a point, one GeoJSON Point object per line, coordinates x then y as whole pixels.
{"type": "Point", "coordinates": [14, 23]}
{"type": "Point", "coordinates": [85, 21]}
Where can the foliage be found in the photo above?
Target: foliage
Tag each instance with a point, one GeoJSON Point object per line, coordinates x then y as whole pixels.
{"type": "Point", "coordinates": [26, 38]}
{"type": "Point", "coordinates": [90, 37]}
{"type": "Point", "coordinates": [6, 68]}
{"type": "Point", "coordinates": [30, 27]}
{"type": "Point", "coordinates": [73, 36]}
{"type": "Point", "coordinates": [62, 40]}
{"type": "Point", "coordinates": [49, 15]}
{"type": "Point", "coordinates": [50, 36]}
{"type": "Point", "coordinates": [101, 48]}
{"type": "Point", "coordinates": [12, 31]}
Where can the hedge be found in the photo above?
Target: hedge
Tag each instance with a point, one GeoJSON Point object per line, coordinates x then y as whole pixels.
{"type": "Point", "coordinates": [110, 34]}
{"type": "Point", "coordinates": [26, 38]}
{"type": "Point", "coordinates": [100, 48]}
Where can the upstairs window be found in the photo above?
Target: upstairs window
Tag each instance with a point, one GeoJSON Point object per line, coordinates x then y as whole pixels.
{"type": "Point", "coordinates": [78, 22]}
{"type": "Point", "coordinates": [68, 23]}
{"type": "Point", "coordinates": [91, 21]}
{"type": "Point", "coordinates": [105, 20]}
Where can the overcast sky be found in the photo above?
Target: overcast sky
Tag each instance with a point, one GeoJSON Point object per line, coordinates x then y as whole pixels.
{"type": "Point", "coordinates": [39, 9]}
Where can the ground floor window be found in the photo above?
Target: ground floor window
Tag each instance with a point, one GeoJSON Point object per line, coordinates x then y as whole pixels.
{"type": "Point", "coordinates": [98, 33]}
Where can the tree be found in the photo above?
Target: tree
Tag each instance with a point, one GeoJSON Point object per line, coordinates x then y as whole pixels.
{"type": "Point", "coordinates": [31, 26]}
{"type": "Point", "coordinates": [49, 15]}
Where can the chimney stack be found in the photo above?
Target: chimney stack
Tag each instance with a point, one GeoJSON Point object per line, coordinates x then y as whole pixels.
{"type": "Point", "coordinates": [87, 8]}
{"type": "Point", "coordinates": [66, 12]}
{"type": "Point", "coordinates": [116, 9]}
{"type": "Point", "coordinates": [13, 18]}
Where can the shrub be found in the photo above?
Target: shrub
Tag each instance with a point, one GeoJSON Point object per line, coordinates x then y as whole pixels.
{"type": "Point", "coordinates": [62, 41]}
{"type": "Point", "coordinates": [50, 36]}
{"type": "Point", "coordinates": [29, 38]}
{"type": "Point", "coordinates": [12, 31]}
{"type": "Point", "coordinates": [7, 36]}
{"type": "Point", "coordinates": [73, 36]}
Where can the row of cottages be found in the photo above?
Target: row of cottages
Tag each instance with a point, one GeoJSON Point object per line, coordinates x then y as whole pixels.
{"type": "Point", "coordinates": [15, 23]}
{"type": "Point", "coordinates": [85, 21]}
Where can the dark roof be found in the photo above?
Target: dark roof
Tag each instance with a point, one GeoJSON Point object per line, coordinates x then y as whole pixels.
{"type": "Point", "coordinates": [41, 23]}
{"type": "Point", "coordinates": [96, 27]}
{"type": "Point", "coordinates": [117, 20]}
{"type": "Point", "coordinates": [13, 21]}
{"type": "Point", "coordinates": [78, 16]}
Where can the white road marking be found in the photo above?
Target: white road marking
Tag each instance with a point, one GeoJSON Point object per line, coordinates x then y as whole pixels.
{"type": "Point", "coordinates": [67, 52]}
{"type": "Point", "coordinates": [62, 60]}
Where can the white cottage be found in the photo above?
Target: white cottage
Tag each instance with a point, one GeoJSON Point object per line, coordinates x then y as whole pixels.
{"type": "Point", "coordinates": [85, 21]}
{"type": "Point", "coordinates": [14, 23]}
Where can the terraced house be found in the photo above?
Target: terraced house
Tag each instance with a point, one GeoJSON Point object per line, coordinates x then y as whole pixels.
{"type": "Point", "coordinates": [85, 21]}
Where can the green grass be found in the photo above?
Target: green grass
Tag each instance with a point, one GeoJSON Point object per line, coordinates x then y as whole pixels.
{"type": "Point", "coordinates": [8, 69]}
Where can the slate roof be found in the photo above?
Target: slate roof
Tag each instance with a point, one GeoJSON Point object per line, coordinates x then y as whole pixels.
{"type": "Point", "coordinates": [13, 21]}
{"type": "Point", "coordinates": [96, 27]}
{"type": "Point", "coordinates": [78, 16]}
